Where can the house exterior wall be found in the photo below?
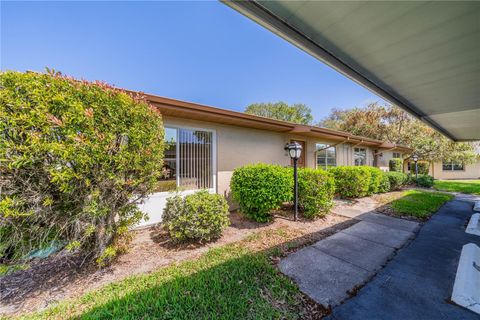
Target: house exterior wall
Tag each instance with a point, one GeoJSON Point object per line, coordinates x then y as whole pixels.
{"type": "Point", "coordinates": [471, 171]}
{"type": "Point", "coordinates": [238, 146]}
{"type": "Point", "coordinates": [384, 160]}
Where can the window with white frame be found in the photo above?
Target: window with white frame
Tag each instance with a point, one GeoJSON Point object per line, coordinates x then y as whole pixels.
{"type": "Point", "coordinates": [360, 156]}
{"type": "Point", "coordinates": [326, 156]}
{"type": "Point", "coordinates": [397, 155]}
{"type": "Point", "coordinates": [188, 162]}
{"type": "Point", "coordinates": [452, 166]}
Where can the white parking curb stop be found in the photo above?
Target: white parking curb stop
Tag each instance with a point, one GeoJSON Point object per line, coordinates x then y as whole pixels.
{"type": "Point", "coordinates": [466, 290]}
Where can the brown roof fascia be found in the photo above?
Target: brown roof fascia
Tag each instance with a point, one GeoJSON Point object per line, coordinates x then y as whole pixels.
{"type": "Point", "coordinates": [198, 111]}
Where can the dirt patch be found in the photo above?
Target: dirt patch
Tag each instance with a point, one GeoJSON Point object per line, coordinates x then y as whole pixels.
{"type": "Point", "coordinates": [60, 277]}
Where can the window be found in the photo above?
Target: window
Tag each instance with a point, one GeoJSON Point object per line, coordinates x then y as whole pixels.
{"type": "Point", "coordinates": [360, 156]}
{"type": "Point", "coordinates": [452, 166]}
{"type": "Point", "coordinates": [188, 162]}
{"type": "Point", "coordinates": [397, 155]}
{"type": "Point", "coordinates": [326, 156]}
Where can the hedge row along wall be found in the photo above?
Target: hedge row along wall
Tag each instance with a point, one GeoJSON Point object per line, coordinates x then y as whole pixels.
{"type": "Point", "coordinates": [261, 188]}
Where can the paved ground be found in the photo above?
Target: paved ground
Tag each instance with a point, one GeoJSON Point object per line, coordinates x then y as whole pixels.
{"type": "Point", "coordinates": [332, 268]}
{"type": "Point", "coordinates": [417, 283]}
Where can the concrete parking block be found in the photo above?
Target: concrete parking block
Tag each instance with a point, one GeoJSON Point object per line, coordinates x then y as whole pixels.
{"type": "Point", "coordinates": [324, 278]}
{"type": "Point", "coordinates": [474, 225]}
{"type": "Point", "coordinates": [362, 253]}
{"type": "Point", "coordinates": [380, 234]}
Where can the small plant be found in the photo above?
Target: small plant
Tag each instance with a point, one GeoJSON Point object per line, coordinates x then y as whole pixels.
{"type": "Point", "coordinates": [261, 188]}
{"type": "Point", "coordinates": [201, 216]}
{"type": "Point", "coordinates": [397, 179]}
{"type": "Point", "coordinates": [384, 183]}
{"type": "Point", "coordinates": [352, 181]}
{"type": "Point", "coordinates": [396, 165]}
{"type": "Point", "coordinates": [316, 189]}
{"type": "Point", "coordinates": [425, 181]}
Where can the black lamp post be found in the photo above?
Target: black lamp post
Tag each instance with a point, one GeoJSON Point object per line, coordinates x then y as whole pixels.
{"type": "Point", "coordinates": [415, 159]}
{"type": "Point", "coordinates": [295, 151]}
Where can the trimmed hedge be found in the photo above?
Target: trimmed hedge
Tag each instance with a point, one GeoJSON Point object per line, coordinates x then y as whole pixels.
{"type": "Point", "coordinates": [261, 188]}
{"type": "Point", "coordinates": [384, 183]}
{"type": "Point", "coordinates": [396, 165]}
{"type": "Point", "coordinates": [375, 179]}
{"type": "Point", "coordinates": [316, 189]}
{"type": "Point", "coordinates": [351, 181]}
{"type": "Point", "coordinates": [201, 216]}
{"type": "Point", "coordinates": [397, 179]}
{"type": "Point", "coordinates": [425, 181]}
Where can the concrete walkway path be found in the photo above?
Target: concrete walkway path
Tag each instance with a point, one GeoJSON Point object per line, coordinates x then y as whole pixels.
{"type": "Point", "coordinates": [417, 283]}
{"type": "Point", "coordinates": [332, 269]}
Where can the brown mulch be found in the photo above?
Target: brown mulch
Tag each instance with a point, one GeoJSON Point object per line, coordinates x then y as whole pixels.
{"type": "Point", "coordinates": [63, 276]}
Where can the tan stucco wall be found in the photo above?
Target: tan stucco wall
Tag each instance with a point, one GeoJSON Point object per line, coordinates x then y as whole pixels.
{"type": "Point", "coordinates": [384, 160]}
{"type": "Point", "coordinates": [238, 146]}
{"type": "Point", "coordinates": [471, 171]}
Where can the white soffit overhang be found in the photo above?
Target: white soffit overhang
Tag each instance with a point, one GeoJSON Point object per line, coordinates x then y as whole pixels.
{"type": "Point", "coordinates": [421, 56]}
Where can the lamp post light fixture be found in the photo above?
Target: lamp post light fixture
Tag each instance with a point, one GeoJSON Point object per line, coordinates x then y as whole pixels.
{"type": "Point", "coordinates": [415, 159]}
{"type": "Point", "coordinates": [295, 151]}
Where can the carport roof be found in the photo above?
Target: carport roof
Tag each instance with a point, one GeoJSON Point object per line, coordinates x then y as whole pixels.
{"type": "Point", "coordinates": [421, 56]}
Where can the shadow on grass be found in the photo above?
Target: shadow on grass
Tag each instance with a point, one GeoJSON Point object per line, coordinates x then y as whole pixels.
{"type": "Point", "coordinates": [236, 281]}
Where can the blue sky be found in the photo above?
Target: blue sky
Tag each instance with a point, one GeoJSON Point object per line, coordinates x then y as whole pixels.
{"type": "Point", "coordinates": [196, 51]}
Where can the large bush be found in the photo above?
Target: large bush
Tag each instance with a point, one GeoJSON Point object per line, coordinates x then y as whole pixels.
{"type": "Point", "coordinates": [200, 216]}
{"type": "Point", "coordinates": [261, 188]}
{"type": "Point", "coordinates": [425, 181]}
{"type": "Point", "coordinates": [316, 189]}
{"type": "Point", "coordinates": [76, 158]}
{"type": "Point", "coordinates": [423, 167]}
{"type": "Point", "coordinates": [351, 181]}
{"type": "Point", "coordinates": [396, 165]}
{"type": "Point", "coordinates": [397, 179]}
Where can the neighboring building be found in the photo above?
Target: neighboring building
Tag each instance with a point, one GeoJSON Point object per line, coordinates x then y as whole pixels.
{"type": "Point", "coordinates": [205, 145]}
{"type": "Point", "coordinates": [455, 170]}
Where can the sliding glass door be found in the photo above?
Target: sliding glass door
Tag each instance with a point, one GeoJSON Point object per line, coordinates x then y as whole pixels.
{"type": "Point", "coordinates": [189, 160]}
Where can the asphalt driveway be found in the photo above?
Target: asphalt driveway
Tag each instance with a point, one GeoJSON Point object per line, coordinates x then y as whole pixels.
{"type": "Point", "coordinates": [417, 283]}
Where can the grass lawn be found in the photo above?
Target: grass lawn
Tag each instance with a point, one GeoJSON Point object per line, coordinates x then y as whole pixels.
{"type": "Point", "coordinates": [237, 281]}
{"type": "Point", "coordinates": [418, 203]}
{"type": "Point", "coordinates": [463, 186]}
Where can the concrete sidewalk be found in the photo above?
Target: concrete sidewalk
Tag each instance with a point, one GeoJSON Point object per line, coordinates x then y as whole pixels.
{"type": "Point", "coordinates": [332, 269]}
{"type": "Point", "coordinates": [417, 283]}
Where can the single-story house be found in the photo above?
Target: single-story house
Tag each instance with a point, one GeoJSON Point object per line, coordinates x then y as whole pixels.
{"type": "Point", "coordinates": [448, 170]}
{"type": "Point", "coordinates": [205, 144]}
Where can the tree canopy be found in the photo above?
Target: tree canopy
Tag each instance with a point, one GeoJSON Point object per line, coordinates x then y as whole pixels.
{"type": "Point", "coordinates": [392, 124]}
{"type": "Point", "coordinates": [298, 113]}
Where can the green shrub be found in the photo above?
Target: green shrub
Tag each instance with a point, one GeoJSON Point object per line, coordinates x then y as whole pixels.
{"type": "Point", "coordinates": [200, 216]}
{"type": "Point", "coordinates": [316, 189]}
{"type": "Point", "coordinates": [384, 183]}
{"type": "Point", "coordinates": [261, 188]}
{"type": "Point", "coordinates": [425, 181]}
{"type": "Point", "coordinates": [396, 179]}
{"type": "Point", "coordinates": [396, 165]}
{"type": "Point", "coordinates": [423, 167]}
{"type": "Point", "coordinates": [375, 179]}
{"type": "Point", "coordinates": [76, 159]}
{"type": "Point", "coordinates": [351, 181]}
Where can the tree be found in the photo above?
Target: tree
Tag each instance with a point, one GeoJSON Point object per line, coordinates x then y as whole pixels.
{"type": "Point", "coordinates": [298, 113]}
{"type": "Point", "coordinates": [392, 124]}
{"type": "Point", "coordinates": [76, 158]}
